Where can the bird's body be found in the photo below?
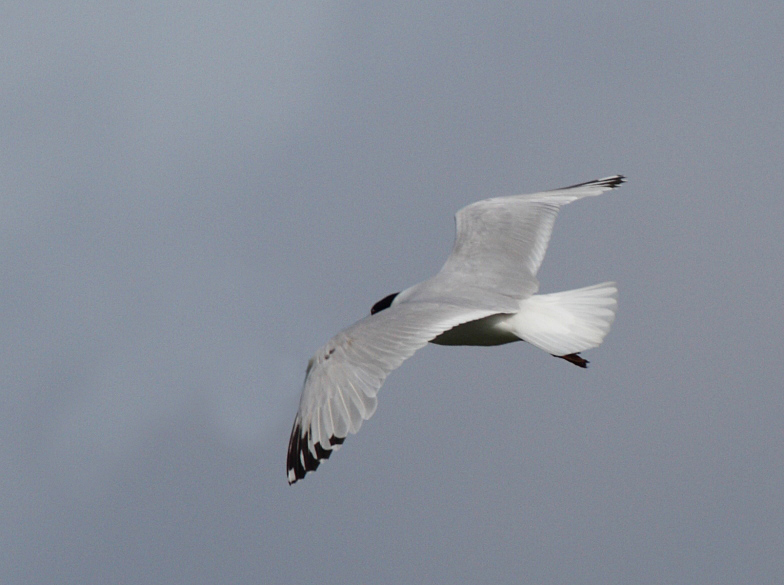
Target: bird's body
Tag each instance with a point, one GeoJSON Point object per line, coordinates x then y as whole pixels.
{"type": "Point", "coordinates": [487, 331]}
{"type": "Point", "coordinates": [484, 295]}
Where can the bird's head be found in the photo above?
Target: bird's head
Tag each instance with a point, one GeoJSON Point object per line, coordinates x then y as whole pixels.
{"type": "Point", "coordinates": [384, 303]}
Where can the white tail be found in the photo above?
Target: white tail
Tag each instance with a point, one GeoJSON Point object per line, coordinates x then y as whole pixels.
{"type": "Point", "coordinates": [566, 322]}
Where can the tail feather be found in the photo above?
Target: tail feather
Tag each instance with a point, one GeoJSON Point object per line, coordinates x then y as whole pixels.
{"type": "Point", "coordinates": [567, 322]}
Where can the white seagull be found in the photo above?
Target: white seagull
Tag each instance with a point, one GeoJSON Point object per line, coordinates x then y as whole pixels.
{"type": "Point", "coordinates": [483, 295]}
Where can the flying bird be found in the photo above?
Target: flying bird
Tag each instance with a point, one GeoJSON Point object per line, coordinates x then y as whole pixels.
{"type": "Point", "coordinates": [485, 294]}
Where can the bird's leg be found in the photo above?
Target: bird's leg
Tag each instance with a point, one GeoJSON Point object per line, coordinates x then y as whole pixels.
{"type": "Point", "coordinates": [574, 358]}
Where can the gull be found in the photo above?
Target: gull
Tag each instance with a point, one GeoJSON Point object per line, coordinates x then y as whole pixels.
{"type": "Point", "coordinates": [485, 294]}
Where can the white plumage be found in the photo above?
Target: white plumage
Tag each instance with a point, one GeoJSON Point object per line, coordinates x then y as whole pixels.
{"type": "Point", "coordinates": [483, 295]}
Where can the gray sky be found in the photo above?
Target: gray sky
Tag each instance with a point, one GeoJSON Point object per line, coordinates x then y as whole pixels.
{"type": "Point", "coordinates": [194, 198]}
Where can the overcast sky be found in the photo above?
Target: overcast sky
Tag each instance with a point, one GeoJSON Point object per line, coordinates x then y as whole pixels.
{"type": "Point", "coordinates": [195, 196]}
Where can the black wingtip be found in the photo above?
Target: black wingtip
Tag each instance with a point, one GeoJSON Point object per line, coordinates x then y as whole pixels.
{"type": "Point", "coordinates": [612, 182]}
{"type": "Point", "coordinates": [607, 182]}
{"type": "Point", "coordinates": [300, 459]}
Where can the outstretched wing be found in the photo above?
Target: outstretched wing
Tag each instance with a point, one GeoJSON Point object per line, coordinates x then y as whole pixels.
{"type": "Point", "coordinates": [498, 249]}
{"type": "Point", "coordinates": [501, 242]}
{"type": "Point", "coordinates": [344, 376]}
